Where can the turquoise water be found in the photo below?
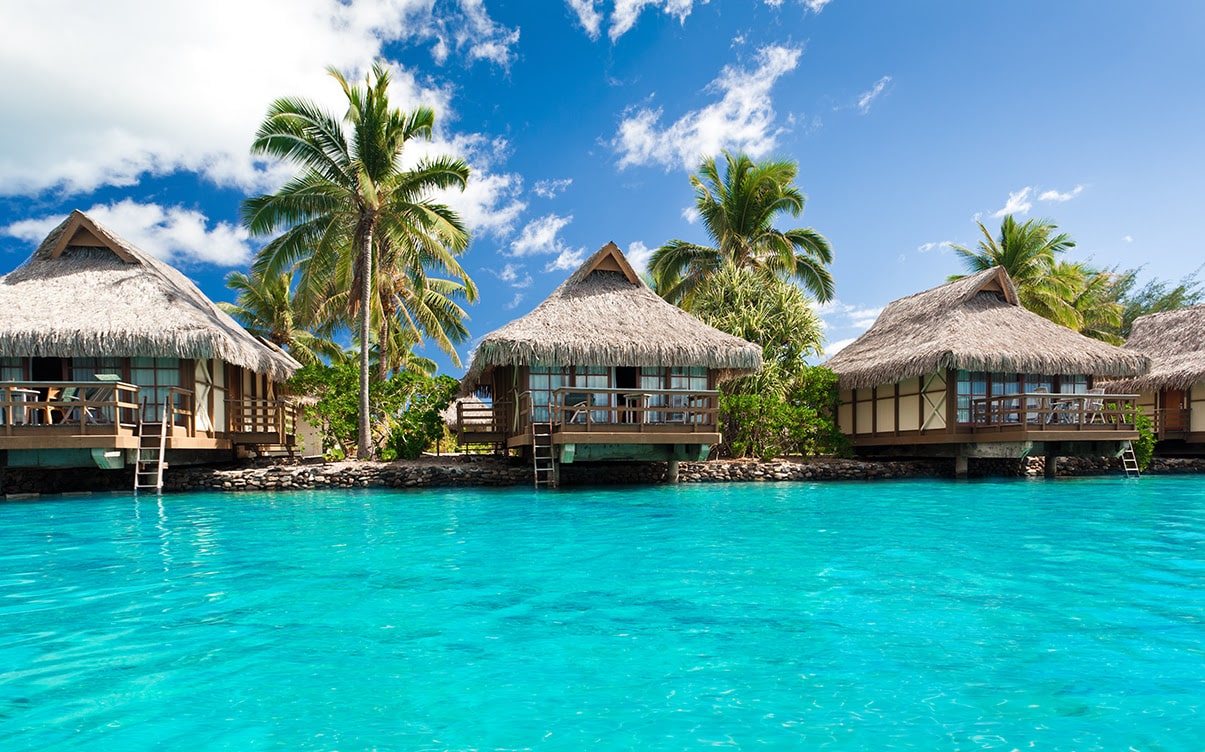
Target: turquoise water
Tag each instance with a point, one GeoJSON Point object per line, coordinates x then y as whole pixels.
{"type": "Point", "coordinates": [1006, 615]}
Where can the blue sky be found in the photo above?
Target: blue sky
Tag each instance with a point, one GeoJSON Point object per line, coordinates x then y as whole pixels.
{"type": "Point", "coordinates": [583, 120]}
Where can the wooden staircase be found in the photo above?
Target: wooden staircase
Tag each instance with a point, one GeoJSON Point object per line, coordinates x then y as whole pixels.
{"type": "Point", "coordinates": [1129, 461]}
{"type": "Point", "coordinates": [149, 458]}
{"type": "Point", "coordinates": [542, 455]}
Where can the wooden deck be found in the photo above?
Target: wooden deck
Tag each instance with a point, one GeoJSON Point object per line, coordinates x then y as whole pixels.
{"type": "Point", "coordinates": [1028, 417]}
{"type": "Point", "coordinates": [600, 416]}
{"type": "Point", "coordinates": [88, 414]}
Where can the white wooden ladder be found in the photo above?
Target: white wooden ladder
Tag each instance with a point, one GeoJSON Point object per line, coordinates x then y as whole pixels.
{"type": "Point", "coordinates": [1129, 461]}
{"type": "Point", "coordinates": [542, 458]}
{"type": "Point", "coordinates": [149, 458]}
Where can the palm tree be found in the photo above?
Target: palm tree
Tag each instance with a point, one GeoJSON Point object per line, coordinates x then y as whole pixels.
{"type": "Point", "coordinates": [770, 311]}
{"type": "Point", "coordinates": [265, 307]}
{"type": "Point", "coordinates": [1094, 299]}
{"type": "Point", "coordinates": [738, 210]}
{"type": "Point", "coordinates": [354, 215]}
{"type": "Point", "coordinates": [1028, 252]}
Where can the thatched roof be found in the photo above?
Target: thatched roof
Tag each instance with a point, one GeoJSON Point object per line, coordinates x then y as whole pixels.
{"type": "Point", "coordinates": [605, 315]}
{"type": "Point", "coordinates": [1175, 343]}
{"type": "Point", "coordinates": [85, 292]}
{"type": "Point", "coordinates": [975, 324]}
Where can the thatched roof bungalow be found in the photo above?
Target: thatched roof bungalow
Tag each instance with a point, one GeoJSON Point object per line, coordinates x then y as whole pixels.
{"type": "Point", "coordinates": [603, 340]}
{"type": "Point", "coordinates": [962, 365]}
{"type": "Point", "coordinates": [1173, 391]}
{"type": "Point", "coordinates": [88, 307]}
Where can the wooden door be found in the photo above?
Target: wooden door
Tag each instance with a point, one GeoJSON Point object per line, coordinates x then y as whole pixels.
{"type": "Point", "coordinates": [1173, 410]}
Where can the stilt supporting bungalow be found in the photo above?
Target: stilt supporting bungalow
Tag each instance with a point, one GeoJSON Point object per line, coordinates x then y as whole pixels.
{"type": "Point", "coordinates": [606, 370]}
{"type": "Point", "coordinates": [99, 339]}
{"type": "Point", "coordinates": [963, 371]}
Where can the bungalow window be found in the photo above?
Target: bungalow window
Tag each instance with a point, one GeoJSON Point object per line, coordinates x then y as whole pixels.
{"type": "Point", "coordinates": [155, 378]}
{"type": "Point", "coordinates": [541, 382]}
{"type": "Point", "coordinates": [652, 379]}
{"type": "Point", "coordinates": [12, 369]}
{"type": "Point", "coordinates": [590, 378]}
{"type": "Point", "coordinates": [688, 379]}
{"type": "Point", "coordinates": [85, 369]}
{"type": "Point", "coordinates": [973, 384]}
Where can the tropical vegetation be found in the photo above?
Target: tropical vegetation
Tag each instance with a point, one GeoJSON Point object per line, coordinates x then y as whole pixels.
{"type": "Point", "coordinates": [266, 307]}
{"type": "Point", "coordinates": [738, 209]}
{"type": "Point", "coordinates": [360, 227]}
{"type": "Point", "coordinates": [1095, 302]}
{"type": "Point", "coordinates": [749, 284]}
{"type": "Point", "coordinates": [406, 409]}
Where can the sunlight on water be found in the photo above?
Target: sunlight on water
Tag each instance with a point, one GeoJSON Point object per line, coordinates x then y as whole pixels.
{"type": "Point", "coordinates": [1000, 615]}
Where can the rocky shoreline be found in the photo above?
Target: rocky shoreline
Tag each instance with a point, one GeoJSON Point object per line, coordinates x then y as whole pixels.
{"type": "Point", "coordinates": [462, 471]}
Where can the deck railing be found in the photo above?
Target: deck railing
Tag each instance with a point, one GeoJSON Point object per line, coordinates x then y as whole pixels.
{"type": "Point", "coordinates": [1042, 411]}
{"type": "Point", "coordinates": [586, 409]}
{"type": "Point", "coordinates": [262, 416]}
{"type": "Point", "coordinates": [1170, 422]}
{"type": "Point", "coordinates": [100, 408]}
{"type": "Point", "coordinates": [89, 406]}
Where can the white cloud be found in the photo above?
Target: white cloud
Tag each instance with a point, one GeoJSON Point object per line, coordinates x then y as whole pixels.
{"type": "Point", "coordinates": [567, 259]}
{"type": "Point", "coordinates": [511, 275]}
{"type": "Point", "coordinates": [191, 85]}
{"type": "Point", "coordinates": [587, 16]}
{"type": "Point", "coordinates": [848, 321]}
{"type": "Point", "coordinates": [941, 247]}
{"type": "Point", "coordinates": [868, 97]}
{"type": "Point", "coordinates": [514, 302]}
{"type": "Point", "coordinates": [690, 214]}
{"type": "Point", "coordinates": [1128, 238]}
{"type": "Point", "coordinates": [639, 256]}
{"type": "Point", "coordinates": [488, 204]}
{"type": "Point", "coordinates": [1061, 197]}
{"type": "Point", "coordinates": [540, 236]}
{"type": "Point", "coordinates": [816, 6]}
{"type": "Point", "coordinates": [172, 233]}
{"type": "Point", "coordinates": [551, 188]}
{"type": "Point", "coordinates": [1018, 203]}
{"type": "Point", "coordinates": [742, 119]}
{"type": "Point", "coordinates": [836, 314]}
{"type": "Point", "coordinates": [832, 348]}
{"type": "Point", "coordinates": [626, 12]}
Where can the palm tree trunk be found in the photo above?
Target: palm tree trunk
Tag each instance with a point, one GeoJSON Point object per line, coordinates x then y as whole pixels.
{"type": "Point", "coordinates": [364, 448]}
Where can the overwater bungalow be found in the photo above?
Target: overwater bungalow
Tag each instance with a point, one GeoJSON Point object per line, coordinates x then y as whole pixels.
{"type": "Point", "coordinates": [105, 351]}
{"type": "Point", "coordinates": [1173, 391]}
{"type": "Point", "coordinates": [603, 369]}
{"type": "Point", "coordinates": [964, 371]}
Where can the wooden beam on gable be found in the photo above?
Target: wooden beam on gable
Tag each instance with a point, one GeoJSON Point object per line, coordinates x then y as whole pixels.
{"type": "Point", "coordinates": [81, 231]}
{"type": "Point", "coordinates": [610, 259]}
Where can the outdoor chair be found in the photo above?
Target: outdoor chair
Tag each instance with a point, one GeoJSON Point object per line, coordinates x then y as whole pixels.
{"type": "Point", "coordinates": [44, 410]}
{"type": "Point", "coordinates": [575, 407]}
{"type": "Point", "coordinates": [1094, 408]}
{"type": "Point", "coordinates": [1039, 404]}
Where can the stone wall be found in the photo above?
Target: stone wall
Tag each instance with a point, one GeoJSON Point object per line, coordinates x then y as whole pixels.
{"type": "Point", "coordinates": [481, 470]}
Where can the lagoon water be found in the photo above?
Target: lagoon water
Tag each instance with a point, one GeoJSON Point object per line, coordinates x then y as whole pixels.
{"type": "Point", "coordinates": [1005, 615]}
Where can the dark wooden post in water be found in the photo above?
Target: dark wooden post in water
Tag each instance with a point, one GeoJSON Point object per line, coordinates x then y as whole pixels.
{"type": "Point", "coordinates": [960, 467]}
{"type": "Point", "coordinates": [1052, 464]}
{"type": "Point", "coordinates": [671, 472]}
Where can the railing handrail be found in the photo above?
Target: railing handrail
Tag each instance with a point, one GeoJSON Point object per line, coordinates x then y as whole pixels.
{"type": "Point", "coordinates": [1053, 410]}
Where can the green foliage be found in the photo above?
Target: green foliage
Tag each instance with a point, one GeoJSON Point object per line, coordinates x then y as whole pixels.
{"type": "Point", "coordinates": [404, 409]}
{"type": "Point", "coordinates": [360, 227]}
{"type": "Point", "coordinates": [738, 209]}
{"type": "Point", "coordinates": [801, 422]}
{"type": "Point", "coordinates": [1028, 252]}
{"type": "Point", "coordinates": [765, 309]}
{"type": "Point", "coordinates": [420, 422]}
{"type": "Point", "coordinates": [1144, 445]}
{"type": "Point", "coordinates": [1155, 296]}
